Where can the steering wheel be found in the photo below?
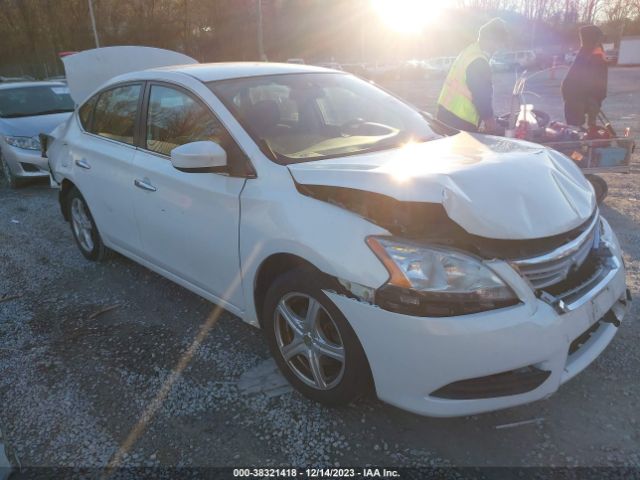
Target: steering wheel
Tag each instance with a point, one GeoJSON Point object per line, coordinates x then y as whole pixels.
{"type": "Point", "coordinates": [357, 126]}
{"type": "Point", "coordinates": [352, 124]}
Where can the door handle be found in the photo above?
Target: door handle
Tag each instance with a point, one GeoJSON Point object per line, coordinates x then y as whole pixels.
{"type": "Point", "coordinates": [82, 163]}
{"type": "Point", "coordinates": [144, 185]}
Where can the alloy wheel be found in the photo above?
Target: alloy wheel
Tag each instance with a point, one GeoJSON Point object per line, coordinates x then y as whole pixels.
{"type": "Point", "coordinates": [309, 341]}
{"type": "Point", "coordinates": [81, 223]}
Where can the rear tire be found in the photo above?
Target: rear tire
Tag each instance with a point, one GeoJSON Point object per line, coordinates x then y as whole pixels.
{"type": "Point", "coordinates": [311, 341]}
{"type": "Point", "coordinates": [83, 227]}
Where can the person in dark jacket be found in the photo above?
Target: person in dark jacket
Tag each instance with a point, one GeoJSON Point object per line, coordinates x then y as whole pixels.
{"type": "Point", "coordinates": [585, 86]}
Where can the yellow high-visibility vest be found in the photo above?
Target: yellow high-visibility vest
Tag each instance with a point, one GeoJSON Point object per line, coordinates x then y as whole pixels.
{"type": "Point", "coordinates": [455, 95]}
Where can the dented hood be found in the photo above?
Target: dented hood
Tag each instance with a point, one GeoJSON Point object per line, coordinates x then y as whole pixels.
{"type": "Point", "coordinates": [490, 186]}
{"type": "Point", "coordinates": [88, 70]}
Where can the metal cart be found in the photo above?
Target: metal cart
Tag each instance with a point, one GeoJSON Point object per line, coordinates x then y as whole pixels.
{"type": "Point", "coordinates": [593, 156]}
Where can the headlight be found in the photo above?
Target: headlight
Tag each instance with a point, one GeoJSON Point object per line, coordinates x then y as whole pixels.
{"type": "Point", "coordinates": [27, 143]}
{"type": "Point", "coordinates": [433, 281]}
{"type": "Point", "coordinates": [609, 237]}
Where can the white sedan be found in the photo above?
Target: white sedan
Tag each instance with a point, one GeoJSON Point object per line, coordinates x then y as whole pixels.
{"type": "Point", "coordinates": [452, 273]}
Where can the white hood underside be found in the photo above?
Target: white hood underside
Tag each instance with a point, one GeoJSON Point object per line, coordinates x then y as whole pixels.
{"type": "Point", "coordinates": [492, 187]}
{"type": "Point", "coordinates": [88, 70]}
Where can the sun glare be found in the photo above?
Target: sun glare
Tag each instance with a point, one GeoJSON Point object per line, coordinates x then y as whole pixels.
{"type": "Point", "coordinates": [408, 16]}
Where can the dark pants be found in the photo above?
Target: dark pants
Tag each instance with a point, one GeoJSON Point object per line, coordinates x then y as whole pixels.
{"type": "Point", "coordinates": [448, 118]}
{"type": "Point", "coordinates": [575, 111]}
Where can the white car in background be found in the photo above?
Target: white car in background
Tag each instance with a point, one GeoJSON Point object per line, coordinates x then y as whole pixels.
{"type": "Point", "coordinates": [330, 65]}
{"type": "Point", "coordinates": [505, 61]}
{"type": "Point", "coordinates": [26, 110]}
{"type": "Point", "coordinates": [611, 55]}
{"type": "Point", "coordinates": [570, 57]}
{"type": "Point", "coordinates": [454, 273]}
{"type": "Point", "coordinates": [439, 65]}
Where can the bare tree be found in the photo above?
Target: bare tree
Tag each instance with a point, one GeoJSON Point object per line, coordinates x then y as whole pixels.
{"type": "Point", "coordinates": [34, 31]}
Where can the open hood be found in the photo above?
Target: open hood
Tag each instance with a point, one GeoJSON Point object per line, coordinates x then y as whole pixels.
{"type": "Point", "coordinates": [88, 70]}
{"type": "Point", "coordinates": [492, 187]}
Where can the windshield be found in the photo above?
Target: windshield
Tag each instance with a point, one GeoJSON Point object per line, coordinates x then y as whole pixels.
{"type": "Point", "coordinates": [303, 117]}
{"type": "Point", "coordinates": [34, 100]}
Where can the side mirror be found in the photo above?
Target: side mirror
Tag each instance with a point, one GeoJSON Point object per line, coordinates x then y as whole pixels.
{"type": "Point", "coordinates": [199, 156]}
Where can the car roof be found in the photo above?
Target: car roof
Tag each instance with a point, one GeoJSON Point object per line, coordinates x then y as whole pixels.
{"type": "Point", "coordinates": [209, 72]}
{"type": "Point", "coordinates": [4, 86]}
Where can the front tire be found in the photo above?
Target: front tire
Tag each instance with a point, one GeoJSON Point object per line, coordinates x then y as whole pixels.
{"type": "Point", "coordinates": [599, 186]}
{"type": "Point", "coordinates": [312, 342]}
{"type": "Point", "coordinates": [83, 227]}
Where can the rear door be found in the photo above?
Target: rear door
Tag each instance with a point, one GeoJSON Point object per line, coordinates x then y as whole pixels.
{"type": "Point", "coordinates": [103, 161]}
{"type": "Point", "coordinates": [188, 221]}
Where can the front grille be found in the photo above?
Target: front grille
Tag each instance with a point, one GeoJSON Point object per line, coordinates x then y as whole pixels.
{"type": "Point", "coordinates": [592, 271]}
{"type": "Point", "coordinates": [555, 266]}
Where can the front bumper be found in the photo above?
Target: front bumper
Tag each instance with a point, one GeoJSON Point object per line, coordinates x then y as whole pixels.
{"type": "Point", "coordinates": [25, 163]}
{"type": "Point", "coordinates": [413, 358]}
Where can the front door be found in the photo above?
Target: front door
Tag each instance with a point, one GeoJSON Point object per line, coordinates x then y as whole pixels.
{"type": "Point", "coordinates": [188, 222]}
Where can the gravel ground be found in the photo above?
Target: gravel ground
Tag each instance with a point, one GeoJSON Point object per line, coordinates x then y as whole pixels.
{"type": "Point", "coordinates": [76, 388]}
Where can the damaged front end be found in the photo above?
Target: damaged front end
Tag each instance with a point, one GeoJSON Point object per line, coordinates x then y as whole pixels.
{"type": "Point", "coordinates": [430, 271]}
{"type": "Point", "coordinates": [578, 272]}
{"type": "Point", "coordinates": [429, 223]}
{"type": "Point", "coordinates": [458, 207]}
{"type": "Point", "coordinates": [562, 269]}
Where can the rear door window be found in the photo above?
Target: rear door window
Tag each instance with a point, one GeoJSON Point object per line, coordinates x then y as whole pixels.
{"type": "Point", "coordinates": [115, 113]}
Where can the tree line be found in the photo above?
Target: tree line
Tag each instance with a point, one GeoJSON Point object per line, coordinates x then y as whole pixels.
{"type": "Point", "coordinates": [34, 32]}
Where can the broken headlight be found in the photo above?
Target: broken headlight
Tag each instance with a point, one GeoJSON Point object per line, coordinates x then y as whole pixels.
{"type": "Point", "coordinates": [609, 237]}
{"type": "Point", "coordinates": [433, 281]}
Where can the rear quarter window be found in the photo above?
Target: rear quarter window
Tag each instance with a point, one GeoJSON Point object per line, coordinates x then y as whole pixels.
{"type": "Point", "coordinates": [85, 112]}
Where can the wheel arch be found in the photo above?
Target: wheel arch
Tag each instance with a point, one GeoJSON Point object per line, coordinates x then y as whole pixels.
{"type": "Point", "coordinates": [271, 268]}
{"type": "Point", "coordinates": [280, 263]}
{"type": "Point", "coordinates": [65, 188]}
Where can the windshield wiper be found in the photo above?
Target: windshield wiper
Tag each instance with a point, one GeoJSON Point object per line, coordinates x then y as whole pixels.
{"type": "Point", "coordinates": [265, 148]}
{"type": "Point", "coordinates": [44, 112]}
{"type": "Point", "coordinates": [438, 126]}
{"type": "Point", "coordinates": [15, 115]}
{"type": "Point", "coordinates": [52, 111]}
{"type": "Point", "coordinates": [397, 142]}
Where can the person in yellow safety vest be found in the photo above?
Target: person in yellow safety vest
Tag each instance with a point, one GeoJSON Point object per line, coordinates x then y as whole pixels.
{"type": "Point", "coordinates": [466, 98]}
